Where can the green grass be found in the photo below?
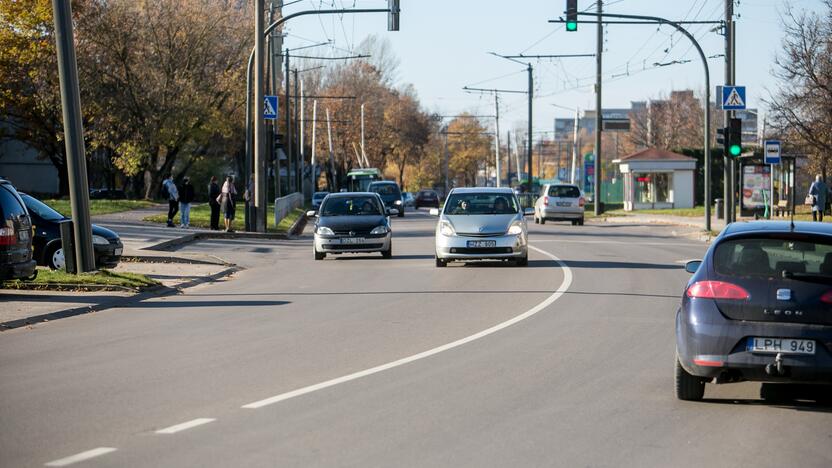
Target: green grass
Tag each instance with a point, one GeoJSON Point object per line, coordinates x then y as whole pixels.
{"type": "Point", "coordinates": [47, 277]}
{"type": "Point", "coordinates": [695, 212]}
{"type": "Point", "coordinates": [99, 207]}
{"type": "Point", "coordinates": [201, 218]}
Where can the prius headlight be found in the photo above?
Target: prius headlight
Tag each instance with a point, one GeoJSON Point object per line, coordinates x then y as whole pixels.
{"type": "Point", "coordinates": [380, 230]}
{"type": "Point", "coordinates": [515, 229]}
{"type": "Point", "coordinates": [325, 231]}
{"type": "Point", "coordinates": [446, 229]}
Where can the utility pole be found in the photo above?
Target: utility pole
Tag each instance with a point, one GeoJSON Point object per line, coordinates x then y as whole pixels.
{"type": "Point", "coordinates": [288, 138]}
{"type": "Point", "coordinates": [276, 44]}
{"type": "Point", "coordinates": [734, 167]}
{"type": "Point", "coordinates": [259, 124]}
{"type": "Point", "coordinates": [297, 174]}
{"type": "Point", "coordinates": [727, 161]}
{"type": "Point", "coordinates": [530, 142]}
{"type": "Point", "coordinates": [598, 111]}
{"type": "Point", "coordinates": [302, 148]}
{"type": "Point", "coordinates": [313, 161]}
{"type": "Point", "coordinates": [497, 138]}
{"type": "Point", "coordinates": [575, 149]}
{"type": "Point", "coordinates": [76, 163]}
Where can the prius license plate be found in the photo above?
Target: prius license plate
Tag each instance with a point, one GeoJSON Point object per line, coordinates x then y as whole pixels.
{"type": "Point", "coordinates": [781, 345]}
{"type": "Point", "coordinates": [352, 240]}
{"type": "Point", "coordinates": [482, 243]}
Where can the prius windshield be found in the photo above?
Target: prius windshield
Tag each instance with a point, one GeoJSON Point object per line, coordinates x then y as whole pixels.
{"type": "Point", "coordinates": [480, 204]}
{"type": "Point", "coordinates": [351, 206]}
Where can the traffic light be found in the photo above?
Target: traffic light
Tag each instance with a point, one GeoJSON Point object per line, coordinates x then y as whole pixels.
{"type": "Point", "coordinates": [571, 15]}
{"type": "Point", "coordinates": [734, 137]}
{"type": "Point", "coordinates": [393, 15]}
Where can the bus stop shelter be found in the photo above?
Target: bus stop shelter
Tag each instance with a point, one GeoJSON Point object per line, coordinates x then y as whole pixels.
{"type": "Point", "coordinates": [657, 179]}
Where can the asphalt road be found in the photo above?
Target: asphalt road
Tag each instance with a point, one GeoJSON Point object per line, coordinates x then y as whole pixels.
{"type": "Point", "coordinates": [360, 361]}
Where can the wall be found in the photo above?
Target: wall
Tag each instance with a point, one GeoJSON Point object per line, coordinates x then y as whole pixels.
{"type": "Point", "coordinates": [284, 205]}
{"type": "Point", "coordinates": [683, 189]}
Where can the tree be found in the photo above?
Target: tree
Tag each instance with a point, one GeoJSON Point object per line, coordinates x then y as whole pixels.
{"type": "Point", "coordinates": [801, 107]}
{"type": "Point", "coordinates": [469, 148]}
{"type": "Point", "coordinates": [408, 131]}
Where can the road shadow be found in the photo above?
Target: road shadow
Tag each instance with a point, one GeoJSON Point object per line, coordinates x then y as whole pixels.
{"type": "Point", "coordinates": [605, 264]}
{"type": "Point", "coordinates": [816, 398]}
{"type": "Point", "coordinates": [218, 304]}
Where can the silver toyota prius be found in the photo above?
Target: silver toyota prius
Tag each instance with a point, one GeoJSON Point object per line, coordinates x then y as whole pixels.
{"type": "Point", "coordinates": [481, 224]}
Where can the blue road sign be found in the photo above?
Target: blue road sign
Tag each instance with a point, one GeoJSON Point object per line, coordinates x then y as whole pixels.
{"type": "Point", "coordinates": [733, 97]}
{"type": "Point", "coordinates": [270, 108]}
{"type": "Point", "coordinates": [772, 151]}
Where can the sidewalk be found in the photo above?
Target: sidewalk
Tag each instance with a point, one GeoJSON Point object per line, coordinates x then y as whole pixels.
{"type": "Point", "coordinates": [688, 221]}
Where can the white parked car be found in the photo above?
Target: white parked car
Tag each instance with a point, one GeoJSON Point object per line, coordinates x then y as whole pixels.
{"type": "Point", "coordinates": [481, 224]}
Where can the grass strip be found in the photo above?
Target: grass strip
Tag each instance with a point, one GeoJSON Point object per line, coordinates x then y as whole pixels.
{"type": "Point", "coordinates": [201, 218]}
{"type": "Point", "coordinates": [47, 278]}
{"type": "Point", "coordinates": [100, 207]}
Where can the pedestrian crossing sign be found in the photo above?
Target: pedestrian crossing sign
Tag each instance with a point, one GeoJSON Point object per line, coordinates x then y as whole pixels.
{"type": "Point", "coordinates": [270, 108]}
{"type": "Point", "coordinates": [733, 97]}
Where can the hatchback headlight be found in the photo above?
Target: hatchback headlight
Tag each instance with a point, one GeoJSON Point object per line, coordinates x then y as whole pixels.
{"type": "Point", "coordinates": [398, 202]}
{"type": "Point", "coordinates": [515, 229]}
{"type": "Point", "coordinates": [380, 230]}
{"type": "Point", "coordinates": [446, 229]}
{"type": "Point", "coordinates": [98, 240]}
{"type": "Point", "coordinates": [324, 231]}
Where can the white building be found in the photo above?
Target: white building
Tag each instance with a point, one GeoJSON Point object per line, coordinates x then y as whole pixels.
{"type": "Point", "coordinates": [657, 179]}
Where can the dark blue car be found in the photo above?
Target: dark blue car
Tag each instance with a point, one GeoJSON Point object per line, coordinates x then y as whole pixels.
{"type": "Point", "coordinates": [107, 246]}
{"type": "Point", "coordinates": [758, 308]}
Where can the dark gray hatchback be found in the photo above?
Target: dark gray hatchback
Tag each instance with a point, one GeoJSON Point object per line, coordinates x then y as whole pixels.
{"type": "Point", "coordinates": [758, 308]}
{"type": "Point", "coordinates": [15, 235]}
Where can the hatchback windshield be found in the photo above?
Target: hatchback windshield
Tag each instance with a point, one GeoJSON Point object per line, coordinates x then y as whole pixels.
{"type": "Point", "coordinates": [564, 191]}
{"type": "Point", "coordinates": [770, 257]}
{"type": "Point", "coordinates": [351, 206]}
{"type": "Point", "coordinates": [480, 203]}
{"type": "Point", "coordinates": [41, 209]}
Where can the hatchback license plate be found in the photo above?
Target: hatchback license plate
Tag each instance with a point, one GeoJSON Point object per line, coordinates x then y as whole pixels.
{"type": "Point", "coordinates": [781, 345]}
{"type": "Point", "coordinates": [482, 243]}
{"type": "Point", "coordinates": [564, 203]}
{"type": "Point", "coordinates": [352, 240]}
{"type": "Point", "coordinates": [118, 252]}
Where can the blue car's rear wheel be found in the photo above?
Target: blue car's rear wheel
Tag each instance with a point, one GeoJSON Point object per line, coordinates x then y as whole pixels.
{"type": "Point", "coordinates": [688, 387]}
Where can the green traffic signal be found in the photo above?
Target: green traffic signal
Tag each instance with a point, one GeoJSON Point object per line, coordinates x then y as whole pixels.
{"type": "Point", "coordinates": [735, 150]}
{"type": "Point", "coordinates": [571, 26]}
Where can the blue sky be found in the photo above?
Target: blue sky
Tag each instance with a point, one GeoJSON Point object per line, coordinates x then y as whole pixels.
{"type": "Point", "coordinates": [443, 46]}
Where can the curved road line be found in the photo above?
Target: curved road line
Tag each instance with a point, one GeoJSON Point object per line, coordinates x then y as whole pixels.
{"type": "Point", "coordinates": [564, 286]}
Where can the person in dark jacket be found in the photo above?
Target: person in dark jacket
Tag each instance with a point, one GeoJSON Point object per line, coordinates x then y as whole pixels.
{"type": "Point", "coordinates": [173, 198]}
{"type": "Point", "coordinates": [185, 198]}
{"type": "Point", "coordinates": [213, 194]}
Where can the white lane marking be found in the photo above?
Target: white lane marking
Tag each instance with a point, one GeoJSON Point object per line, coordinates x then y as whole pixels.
{"type": "Point", "coordinates": [568, 241]}
{"type": "Point", "coordinates": [96, 452]}
{"type": "Point", "coordinates": [185, 426]}
{"type": "Point", "coordinates": [564, 286]}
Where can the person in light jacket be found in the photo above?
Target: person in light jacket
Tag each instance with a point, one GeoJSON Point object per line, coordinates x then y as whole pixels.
{"type": "Point", "coordinates": [173, 199]}
{"type": "Point", "coordinates": [820, 191]}
{"type": "Point", "coordinates": [227, 199]}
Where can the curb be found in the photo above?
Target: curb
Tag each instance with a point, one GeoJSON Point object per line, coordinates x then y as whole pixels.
{"type": "Point", "coordinates": [75, 287]}
{"type": "Point", "coordinates": [170, 259]}
{"type": "Point", "coordinates": [157, 291]}
{"type": "Point", "coordinates": [297, 228]}
{"type": "Point", "coordinates": [186, 239]}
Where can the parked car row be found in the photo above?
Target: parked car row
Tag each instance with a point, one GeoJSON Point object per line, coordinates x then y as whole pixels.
{"type": "Point", "coordinates": [30, 235]}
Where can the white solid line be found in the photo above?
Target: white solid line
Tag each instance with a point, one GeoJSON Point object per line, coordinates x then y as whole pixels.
{"type": "Point", "coordinates": [96, 452]}
{"type": "Point", "coordinates": [569, 241]}
{"type": "Point", "coordinates": [564, 286]}
{"type": "Point", "coordinates": [185, 426]}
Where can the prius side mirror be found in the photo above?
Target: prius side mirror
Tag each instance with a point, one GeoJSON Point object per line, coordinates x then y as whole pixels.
{"type": "Point", "coordinates": [311, 214]}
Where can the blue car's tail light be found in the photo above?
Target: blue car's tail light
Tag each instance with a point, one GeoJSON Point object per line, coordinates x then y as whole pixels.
{"type": "Point", "coordinates": [717, 290]}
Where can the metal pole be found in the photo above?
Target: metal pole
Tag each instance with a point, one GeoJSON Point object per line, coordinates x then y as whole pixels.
{"type": "Point", "coordinates": [529, 143]}
{"type": "Point", "coordinates": [363, 153]}
{"type": "Point", "coordinates": [734, 200]}
{"type": "Point", "coordinates": [297, 174]}
{"type": "Point", "coordinates": [727, 193]}
{"type": "Point", "coordinates": [497, 136]}
{"type": "Point", "coordinates": [333, 177]}
{"type": "Point", "coordinates": [575, 149]}
{"type": "Point", "coordinates": [288, 138]}
{"type": "Point", "coordinates": [445, 162]}
{"type": "Point", "coordinates": [599, 47]}
{"type": "Point", "coordinates": [79, 195]}
{"type": "Point", "coordinates": [302, 149]}
{"type": "Point", "coordinates": [259, 124]}
{"type": "Point", "coordinates": [314, 141]}
{"type": "Point", "coordinates": [249, 150]}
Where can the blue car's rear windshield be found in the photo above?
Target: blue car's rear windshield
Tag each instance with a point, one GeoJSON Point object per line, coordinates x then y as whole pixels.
{"type": "Point", "coordinates": [769, 257]}
{"type": "Point", "coordinates": [480, 204]}
{"type": "Point", "coordinates": [361, 205]}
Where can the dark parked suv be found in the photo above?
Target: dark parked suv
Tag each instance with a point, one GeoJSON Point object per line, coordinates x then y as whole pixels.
{"type": "Point", "coordinates": [758, 308]}
{"type": "Point", "coordinates": [15, 235]}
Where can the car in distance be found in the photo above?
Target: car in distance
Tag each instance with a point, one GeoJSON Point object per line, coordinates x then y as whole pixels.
{"type": "Point", "coordinates": [317, 198]}
{"type": "Point", "coordinates": [352, 222]}
{"type": "Point", "coordinates": [390, 193]}
{"type": "Point", "coordinates": [48, 249]}
{"type": "Point", "coordinates": [426, 198]}
{"type": "Point", "coordinates": [408, 199]}
{"type": "Point", "coordinates": [757, 308]}
{"type": "Point", "coordinates": [560, 202]}
{"type": "Point", "coordinates": [15, 235]}
{"type": "Point", "coordinates": [481, 224]}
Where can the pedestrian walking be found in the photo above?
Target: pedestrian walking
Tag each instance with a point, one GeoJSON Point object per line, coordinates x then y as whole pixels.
{"type": "Point", "coordinates": [227, 199]}
{"type": "Point", "coordinates": [169, 188]}
{"type": "Point", "coordinates": [186, 197]}
{"type": "Point", "coordinates": [820, 192]}
{"type": "Point", "coordinates": [214, 193]}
